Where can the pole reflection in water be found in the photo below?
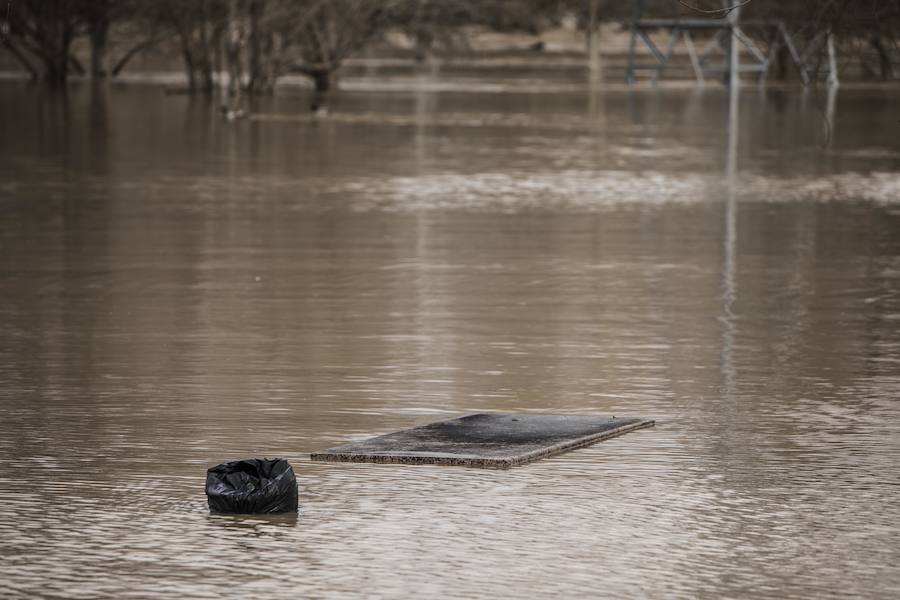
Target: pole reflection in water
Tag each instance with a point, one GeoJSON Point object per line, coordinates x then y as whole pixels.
{"type": "Point", "coordinates": [831, 112]}
{"type": "Point", "coordinates": [729, 280]}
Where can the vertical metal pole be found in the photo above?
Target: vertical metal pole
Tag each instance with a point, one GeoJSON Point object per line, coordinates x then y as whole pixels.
{"type": "Point", "coordinates": [629, 70]}
{"type": "Point", "coordinates": [734, 51]}
{"type": "Point", "coordinates": [593, 48]}
{"type": "Point", "coordinates": [638, 12]}
{"type": "Point", "coordinates": [770, 54]}
{"type": "Point", "coordinates": [832, 59]}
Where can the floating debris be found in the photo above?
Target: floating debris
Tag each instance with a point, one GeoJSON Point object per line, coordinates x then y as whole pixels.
{"type": "Point", "coordinates": [494, 440]}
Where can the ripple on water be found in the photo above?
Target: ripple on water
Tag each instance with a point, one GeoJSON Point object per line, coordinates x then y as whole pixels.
{"type": "Point", "coordinates": [176, 292]}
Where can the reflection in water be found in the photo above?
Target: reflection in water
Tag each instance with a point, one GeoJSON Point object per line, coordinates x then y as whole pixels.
{"type": "Point", "coordinates": [729, 282]}
{"type": "Point", "coordinates": [830, 111]}
{"type": "Point", "coordinates": [177, 292]}
{"type": "Point", "coordinates": [258, 525]}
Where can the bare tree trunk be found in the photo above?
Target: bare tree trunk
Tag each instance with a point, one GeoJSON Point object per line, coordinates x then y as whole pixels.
{"type": "Point", "coordinates": [274, 63]}
{"type": "Point", "coordinates": [57, 65]}
{"type": "Point", "coordinates": [323, 80]}
{"type": "Point", "coordinates": [99, 35]}
{"type": "Point", "coordinates": [199, 40]}
{"type": "Point", "coordinates": [234, 41]}
{"type": "Point", "coordinates": [884, 58]}
{"type": "Point", "coordinates": [255, 43]}
{"type": "Point", "coordinates": [55, 74]}
{"type": "Point", "coordinates": [188, 58]}
{"type": "Point", "coordinates": [323, 84]}
{"type": "Point", "coordinates": [265, 48]}
{"type": "Point", "coordinates": [205, 60]}
{"type": "Point", "coordinates": [40, 37]}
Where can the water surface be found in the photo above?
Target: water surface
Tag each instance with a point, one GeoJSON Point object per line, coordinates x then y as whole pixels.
{"type": "Point", "coordinates": [176, 291]}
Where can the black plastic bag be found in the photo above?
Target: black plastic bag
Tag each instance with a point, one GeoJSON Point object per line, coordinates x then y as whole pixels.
{"type": "Point", "coordinates": [252, 486]}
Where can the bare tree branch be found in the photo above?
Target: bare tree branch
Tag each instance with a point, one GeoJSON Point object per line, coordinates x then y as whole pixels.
{"type": "Point", "coordinates": [20, 56]}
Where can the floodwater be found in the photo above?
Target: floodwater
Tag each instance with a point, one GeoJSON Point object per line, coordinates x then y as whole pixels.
{"type": "Point", "coordinates": [176, 291]}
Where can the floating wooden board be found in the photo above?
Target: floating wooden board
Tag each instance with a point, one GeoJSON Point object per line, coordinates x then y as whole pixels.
{"type": "Point", "coordinates": [498, 440]}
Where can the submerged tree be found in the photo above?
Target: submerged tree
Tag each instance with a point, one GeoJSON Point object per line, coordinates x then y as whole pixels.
{"type": "Point", "coordinates": [41, 33]}
{"type": "Point", "coordinates": [311, 37]}
{"type": "Point", "coordinates": [333, 32]}
{"type": "Point", "coordinates": [40, 37]}
{"type": "Point", "coordinates": [98, 16]}
{"type": "Point", "coordinates": [258, 41]}
{"type": "Point", "coordinates": [199, 26]}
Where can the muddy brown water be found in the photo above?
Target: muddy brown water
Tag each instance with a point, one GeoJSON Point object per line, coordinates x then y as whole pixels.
{"type": "Point", "coordinates": [176, 291]}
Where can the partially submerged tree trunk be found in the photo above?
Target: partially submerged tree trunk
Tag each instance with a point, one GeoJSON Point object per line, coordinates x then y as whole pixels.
{"type": "Point", "coordinates": [265, 48]}
{"type": "Point", "coordinates": [311, 37]}
{"type": "Point", "coordinates": [197, 54]}
{"type": "Point", "coordinates": [56, 61]}
{"type": "Point", "coordinates": [323, 79]}
{"type": "Point", "coordinates": [781, 62]}
{"type": "Point", "coordinates": [257, 42]}
{"type": "Point", "coordinates": [884, 58]}
{"type": "Point", "coordinates": [44, 30]}
{"type": "Point", "coordinates": [188, 58]}
{"type": "Point", "coordinates": [267, 63]}
{"type": "Point", "coordinates": [331, 33]}
{"type": "Point", "coordinates": [199, 31]}
{"type": "Point", "coordinates": [234, 43]}
{"type": "Point", "coordinates": [99, 36]}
